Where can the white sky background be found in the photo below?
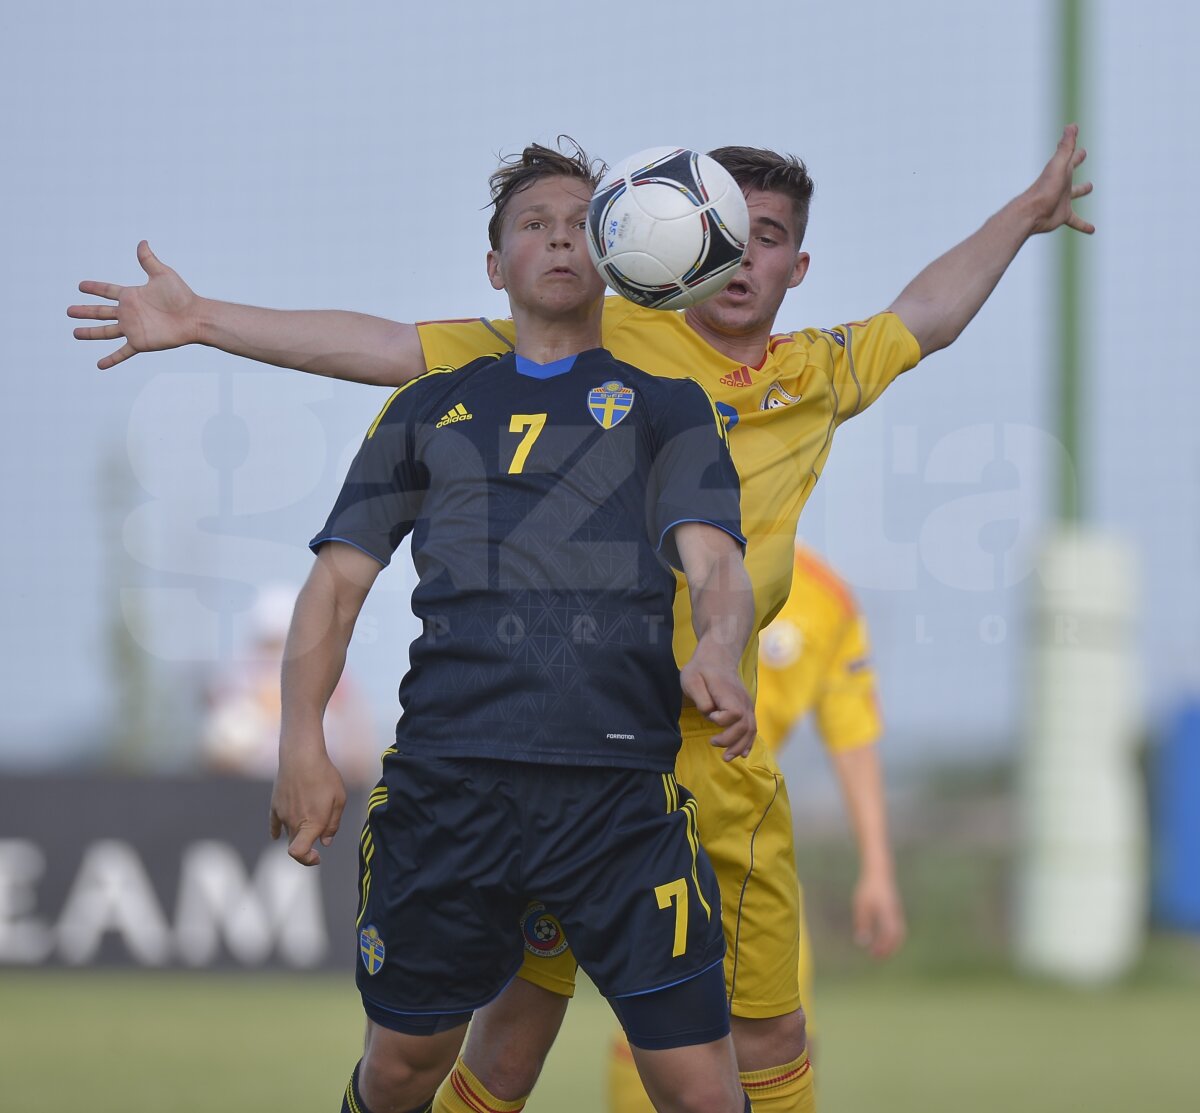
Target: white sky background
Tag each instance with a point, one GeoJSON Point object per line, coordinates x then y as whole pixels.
{"type": "Point", "coordinates": [295, 155]}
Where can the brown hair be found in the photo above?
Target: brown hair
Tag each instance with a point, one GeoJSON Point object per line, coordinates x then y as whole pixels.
{"type": "Point", "coordinates": [758, 168]}
{"type": "Point", "coordinates": [518, 172]}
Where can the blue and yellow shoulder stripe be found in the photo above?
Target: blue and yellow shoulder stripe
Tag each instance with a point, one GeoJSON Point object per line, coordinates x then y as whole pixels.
{"type": "Point", "coordinates": [379, 417]}
{"type": "Point", "coordinates": [717, 418]}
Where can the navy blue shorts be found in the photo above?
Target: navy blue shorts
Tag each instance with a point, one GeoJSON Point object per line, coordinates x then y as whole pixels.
{"type": "Point", "coordinates": [454, 849]}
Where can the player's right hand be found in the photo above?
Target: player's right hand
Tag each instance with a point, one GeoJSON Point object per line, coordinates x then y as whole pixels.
{"type": "Point", "coordinates": [307, 804]}
{"type": "Point", "coordinates": [150, 318]}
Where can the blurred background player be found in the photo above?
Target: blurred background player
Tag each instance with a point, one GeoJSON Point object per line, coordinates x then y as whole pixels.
{"type": "Point", "coordinates": [814, 659]}
{"type": "Point", "coordinates": [240, 735]}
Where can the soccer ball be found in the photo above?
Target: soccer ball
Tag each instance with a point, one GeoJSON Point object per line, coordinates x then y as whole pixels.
{"type": "Point", "coordinates": [667, 228]}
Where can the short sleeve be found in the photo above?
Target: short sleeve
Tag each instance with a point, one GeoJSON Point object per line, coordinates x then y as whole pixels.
{"type": "Point", "coordinates": [692, 478]}
{"type": "Point", "coordinates": [456, 343]}
{"type": "Point", "coordinates": [863, 358]}
{"type": "Point", "coordinates": [383, 490]}
{"type": "Point", "coordinates": [847, 709]}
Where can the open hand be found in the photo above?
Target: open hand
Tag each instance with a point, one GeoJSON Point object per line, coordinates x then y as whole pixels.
{"type": "Point", "coordinates": [150, 318]}
{"type": "Point", "coordinates": [1050, 197]}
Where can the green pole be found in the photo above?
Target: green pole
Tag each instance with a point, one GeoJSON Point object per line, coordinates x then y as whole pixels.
{"type": "Point", "coordinates": [1070, 481]}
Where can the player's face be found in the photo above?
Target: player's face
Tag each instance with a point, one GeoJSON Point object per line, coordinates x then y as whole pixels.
{"type": "Point", "coordinates": [542, 260]}
{"type": "Point", "coordinates": [772, 266]}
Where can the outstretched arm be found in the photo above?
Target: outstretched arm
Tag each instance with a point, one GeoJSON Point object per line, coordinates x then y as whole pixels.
{"type": "Point", "coordinates": [309, 795]}
{"type": "Point", "coordinates": [939, 303]}
{"type": "Point", "coordinates": [165, 313]}
{"type": "Point", "coordinates": [723, 618]}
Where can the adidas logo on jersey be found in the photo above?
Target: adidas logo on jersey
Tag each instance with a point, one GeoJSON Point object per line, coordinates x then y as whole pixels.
{"type": "Point", "coordinates": [457, 413]}
{"type": "Point", "coordinates": [740, 377]}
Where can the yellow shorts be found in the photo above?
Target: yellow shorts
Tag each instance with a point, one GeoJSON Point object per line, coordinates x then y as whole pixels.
{"type": "Point", "coordinates": [746, 828]}
{"type": "Point", "coordinates": [804, 973]}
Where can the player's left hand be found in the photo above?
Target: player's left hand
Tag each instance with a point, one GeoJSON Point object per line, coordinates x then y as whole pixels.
{"type": "Point", "coordinates": [878, 915]}
{"type": "Point", "coordinates": [1050, 197]}
{"type": "Point", "coordinates": [712, 683]}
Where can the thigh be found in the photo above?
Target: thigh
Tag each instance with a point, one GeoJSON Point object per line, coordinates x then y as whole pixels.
{"type": "Point", "coordinates": [746, 827]}
{"type": "Point", "coordinates": [439, 893]}
{"type": "Point", "coordinates": [630, 884]}
{"type": "Point", "coordinates": [679, 1039]}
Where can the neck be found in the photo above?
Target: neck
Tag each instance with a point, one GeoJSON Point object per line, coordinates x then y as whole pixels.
{"type": "Point", "coordinates": [749, 348]}
{"type": "Point", "coordinates": [544, 339]}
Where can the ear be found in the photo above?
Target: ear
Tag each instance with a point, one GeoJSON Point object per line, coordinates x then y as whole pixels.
{"type": "Point", "coordinates": [799, 269]}
{"type": "Point", "coordinates": [495, 271]}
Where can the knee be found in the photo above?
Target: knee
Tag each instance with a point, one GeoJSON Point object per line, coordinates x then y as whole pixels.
{"type": "Point", "coordinates": [395, 1076]}
{"type": "Point", "coordinates": [391, 1083]}
{"type": "Point", "coordinates": [767, 1042]}
{"type": "Point", "coordinates": [508, 1071]}
{"type": "Point", "coordinates": [715, 1101]}
{"type": "Point", "coordinates": [788, 1035]}
{"type": "Point", "coordinates": [798, 1031]}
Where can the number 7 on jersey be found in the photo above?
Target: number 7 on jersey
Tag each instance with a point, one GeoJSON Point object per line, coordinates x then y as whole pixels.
{"type": "Point", "coordinates": [531, 425]}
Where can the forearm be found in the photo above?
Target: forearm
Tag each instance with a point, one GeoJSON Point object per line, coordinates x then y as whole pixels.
{"type": "Point", "coordinates": [861, 780]}
{"type": "Point", "coordinates": [723, 604]}
{"type": "Point", "coordinates": [723, 618]}
{"type": "Point", "coordinates": [352, 346]}
{"type": "Point", "coordinates": [941, 301]}
{"type": "Point", "coordinates": [314, 657]}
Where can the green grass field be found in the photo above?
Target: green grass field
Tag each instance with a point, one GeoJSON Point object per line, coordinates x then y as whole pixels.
{"type": "Point", "coordinates": [140, 1043]}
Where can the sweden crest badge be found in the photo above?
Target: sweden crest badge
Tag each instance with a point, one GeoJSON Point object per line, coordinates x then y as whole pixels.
{"type": "Point", "coordinates": [371, 949]}
{"type": "Point", "coordinates": [610, 403]}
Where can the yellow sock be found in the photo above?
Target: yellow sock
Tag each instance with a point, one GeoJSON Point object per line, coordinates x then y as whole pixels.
{"type": "Point", "coordinates": [462, 1092]}
{"type": "Point", "coordinates": [785, 1089]}
{"type": "Point", "coordinates": [625, 1091]}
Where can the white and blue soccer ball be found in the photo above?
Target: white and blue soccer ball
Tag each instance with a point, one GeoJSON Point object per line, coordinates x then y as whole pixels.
{"type": "Point", "coordinates": [667, 228]}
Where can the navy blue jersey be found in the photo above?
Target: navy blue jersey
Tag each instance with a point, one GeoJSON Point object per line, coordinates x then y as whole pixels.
{"type": "Point", "coordinates": [541, 502]}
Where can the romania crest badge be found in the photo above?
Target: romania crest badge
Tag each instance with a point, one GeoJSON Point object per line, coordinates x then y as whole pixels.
{"type": "Point", "coordinates": [543, 933]}
{"type": "Point", "coordinates": [371, 949]}
{"type": "Point", "coordinates": [610, 403]}
{"type": "Point", "coordinates": [776, 398]}
{"type": "Point", "coordinates": [781, 643]}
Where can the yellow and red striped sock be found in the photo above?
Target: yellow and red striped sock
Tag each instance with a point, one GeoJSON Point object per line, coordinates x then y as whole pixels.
{"type": "Point", "coordinates": [785, 1089]}
{"type": "Point", "coordinates": [462, 1092]}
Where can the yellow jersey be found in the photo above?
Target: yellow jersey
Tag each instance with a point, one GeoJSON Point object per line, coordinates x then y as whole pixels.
{"type": "Point", "coordinates": [815, 657]}
{"type": "Point", "coordinates": [781, 417]}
